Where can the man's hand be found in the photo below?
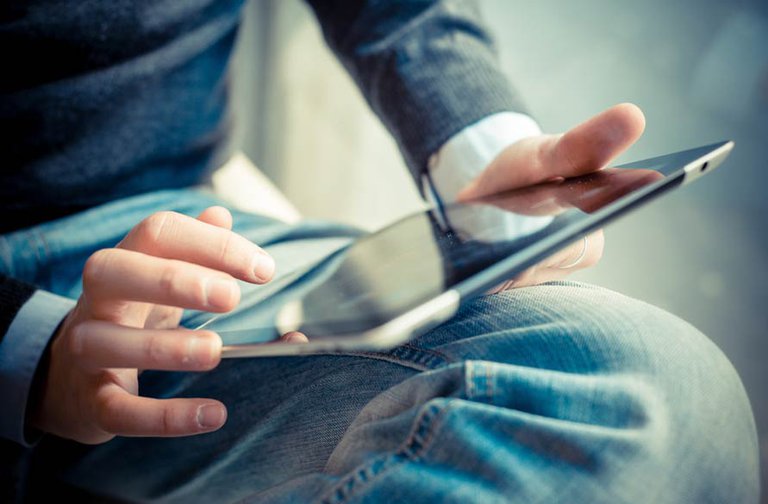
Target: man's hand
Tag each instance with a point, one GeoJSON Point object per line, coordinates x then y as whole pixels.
{"type": "Point", "coordinates": [127, 320]}
{"type": "Point", "coordinates": [588, 147]}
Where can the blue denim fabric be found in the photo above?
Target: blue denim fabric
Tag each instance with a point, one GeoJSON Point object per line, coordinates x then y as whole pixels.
{"type": "Point", "coordinates": [563, 392]}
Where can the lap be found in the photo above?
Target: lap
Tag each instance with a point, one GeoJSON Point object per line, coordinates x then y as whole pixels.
{"type": "Point", "coordinates": [560, 392]}
{"type": "Point", "coordinates": [525, 395]}
{"type": "Point", "coordinates": [557, 392]}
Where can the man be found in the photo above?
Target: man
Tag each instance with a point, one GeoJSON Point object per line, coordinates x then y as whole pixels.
{"type": "Point", "coordinates": [558, 392]}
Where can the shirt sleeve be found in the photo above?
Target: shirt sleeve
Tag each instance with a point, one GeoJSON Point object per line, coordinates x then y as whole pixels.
{"type": "Point", "coordinates": [467, 153]}
{"type": "Point", "coordinates": [21, 351]}
{"type": "Point", "coordinates": [463, 157]}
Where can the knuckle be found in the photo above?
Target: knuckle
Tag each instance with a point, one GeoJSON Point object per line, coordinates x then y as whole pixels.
{"type": "Point", "coordinates": [75, 343]}
{"type": "Point", "coordinates": [167, 420]}
{"type": "Point", "coordinates": [167, 280]}
{"type": "Point", "coordinates": [170, 418]}
{"type": "Point", "coordinates": [151, 230]}
{"type": "Point", "coordinates": [226, 248]}
{"type": "Point", "coordinates": [231, 252]}
{"type": "Point", "coordinates": [160, 352]}
{"type": "Point", "coordinates": [154, 351]}
{"type": "Point", "coordinates": [199, 294]}
{"type": "Point", "coordinates": [95, 266]}
{"type": "Point", "coordinates": [179, 284]}
{"type": "Point", "coordinates": [562, 158]}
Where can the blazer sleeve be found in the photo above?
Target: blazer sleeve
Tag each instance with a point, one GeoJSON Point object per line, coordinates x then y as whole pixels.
{"type": "Point", "coordinates": [13, 457]}
{"type": "Point", "coordinates": [28, 319]}
{"type": "Point", "coordinates": [428, 68]}
{"type": "Point", "coordinates": [13, 295]}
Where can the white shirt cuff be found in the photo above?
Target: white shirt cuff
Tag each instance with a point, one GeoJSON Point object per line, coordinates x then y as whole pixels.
{"type": "Point", "coordinates": [467, 153]}
{"type": "Point", "coordinates": [20, 353]}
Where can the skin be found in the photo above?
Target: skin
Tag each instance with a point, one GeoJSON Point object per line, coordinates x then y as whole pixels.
{"type": "Point", "coordinates": [127, 317]}
{"type": "Point", "coordinates": [585, 148]}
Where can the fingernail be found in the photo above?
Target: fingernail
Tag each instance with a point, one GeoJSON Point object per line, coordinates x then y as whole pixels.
{"type": "Point", "coordinates": [263, 266]}
{"type": "Point", "coordinates": [219, 293]}
{"type": "Point", "coordinates": [202, 350]}
{"type": "Point", "coordinates": [211, 416]}
{"type": "Point", "coordinates": [295, 337]}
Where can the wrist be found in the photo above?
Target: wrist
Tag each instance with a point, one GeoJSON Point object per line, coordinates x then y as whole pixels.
{"type": "Point", "coordinates": [465, 155]}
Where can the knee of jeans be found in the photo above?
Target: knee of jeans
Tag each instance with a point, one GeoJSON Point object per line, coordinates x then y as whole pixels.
{"type": "Point", "coordinates": [711, 435]}
{"type": "Point", "coordinates": [702, 423]}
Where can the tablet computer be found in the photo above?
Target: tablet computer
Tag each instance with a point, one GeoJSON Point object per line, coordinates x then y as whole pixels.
{"type": "Point", "coordinates": [406, 278]}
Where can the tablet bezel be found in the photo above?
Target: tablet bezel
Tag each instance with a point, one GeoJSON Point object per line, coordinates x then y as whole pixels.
{"type": "Point", "coordinates": [442, 307]}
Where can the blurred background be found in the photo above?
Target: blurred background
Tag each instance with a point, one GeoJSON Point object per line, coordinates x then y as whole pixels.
{"type": "Point", "coordinates": [699, 70]}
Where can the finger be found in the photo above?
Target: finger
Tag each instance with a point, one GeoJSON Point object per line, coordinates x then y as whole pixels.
{"type": "Point", "coordinates": [552, 268]}
{"type": "Point", "coordinates": [175, 236]}
{"type": "Point", "coordinates": [588, 193]}
{"type": "Point", "coordinates": [98, 344]}
{"type": "Point", "coordinates": [594, 143]}
{"type": "Point", "coordinates": [117, 275]}
{"type": "Point", "coordinates": [216, 216]}
{"type": "Point", "coordinates": [607, 186]}
{"type": "Point", "coordinates": [294, 337]}
{"type": "Point", "coordinates": [505, 285]}
{"type": "Point", "coordinates": [583, 149]}
{"type": "Point", "coordinates": [538, 200]}
{"type": "Point", "coordinates": [578, 255]}
{"type": "Point", "coordinates": [163, 317]}
{"type": "Point", "coordinates": [125, 414]}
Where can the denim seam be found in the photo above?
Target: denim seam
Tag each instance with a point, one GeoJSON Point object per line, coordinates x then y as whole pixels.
{"type": "Point", "coordinates": [479, 381]}
{"type": "Point", "coordinates": [421, 359]}
{"type": "Point", "coordinates": [488, 383]}
{"type": "Point", "coordinates": [382, 357]}
{"type": "Point", "coordinates": [433, 358]}
{"type": "Point", "coordinates": [417, 442]}
{"type": "Point", "coordinates": [44, 246]}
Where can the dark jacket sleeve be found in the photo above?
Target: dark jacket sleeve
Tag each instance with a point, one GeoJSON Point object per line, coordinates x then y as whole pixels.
{"type": "Point", "coordinates": [13, 295]}
{"type": "Point", "coordinates": [427, 67]}
{"type": "Point", "coordinates": [13, 458]}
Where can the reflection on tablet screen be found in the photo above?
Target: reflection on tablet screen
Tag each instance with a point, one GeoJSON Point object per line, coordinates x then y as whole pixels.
{"type": "Point", "coordinates": [387, 273]}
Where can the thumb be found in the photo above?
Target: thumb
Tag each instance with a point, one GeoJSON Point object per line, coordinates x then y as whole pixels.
{"type": "Point", "coordinates": [585, 148]}
{"type": "Point", "coordinates": [216, 216]}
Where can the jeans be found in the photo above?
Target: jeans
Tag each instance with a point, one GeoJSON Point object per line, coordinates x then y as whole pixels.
{"type": "Point", "coordinates": [563, 392]}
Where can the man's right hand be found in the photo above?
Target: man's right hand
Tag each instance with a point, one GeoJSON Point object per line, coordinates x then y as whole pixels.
{"type": "Point", "coordinates": [127, 320]}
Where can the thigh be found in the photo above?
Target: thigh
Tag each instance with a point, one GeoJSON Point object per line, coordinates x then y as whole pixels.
{"type": "Point", "coordinates": [285, 417]}
{"type": "Point", "coordinates": [563, 392]}
{"type": "Point", "coordinates": [52, 255]}
{"type": "Point", "coordinates": [558, 392]}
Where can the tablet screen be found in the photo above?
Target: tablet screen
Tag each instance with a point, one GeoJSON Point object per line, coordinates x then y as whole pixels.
{"type": "Point", "coordinates": [389, 272]}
